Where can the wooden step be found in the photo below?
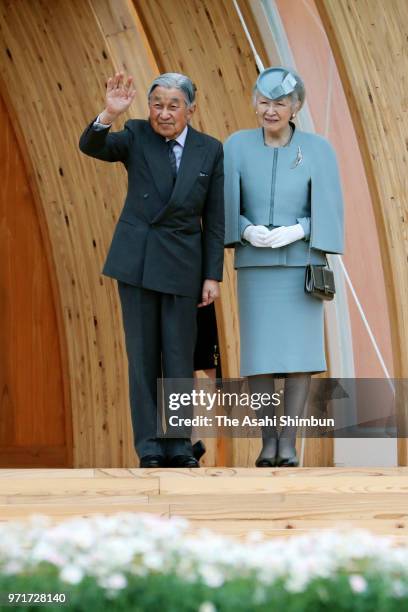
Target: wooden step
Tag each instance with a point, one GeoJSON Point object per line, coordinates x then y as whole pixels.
{"type": "Point", "coordinates": [235, 501]}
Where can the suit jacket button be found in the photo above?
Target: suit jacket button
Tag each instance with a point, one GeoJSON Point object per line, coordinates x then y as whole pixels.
{"type": "Point", "coordinates": [145, 195]}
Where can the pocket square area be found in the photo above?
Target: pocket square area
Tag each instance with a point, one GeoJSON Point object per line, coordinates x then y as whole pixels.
{"type": "Point", "coordinates": [203, 174]}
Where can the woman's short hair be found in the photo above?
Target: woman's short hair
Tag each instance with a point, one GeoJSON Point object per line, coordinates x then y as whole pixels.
{"type": "Point", "coordinates": [297, 95]}
{"type": "Point", "coordinates": [171, 80]}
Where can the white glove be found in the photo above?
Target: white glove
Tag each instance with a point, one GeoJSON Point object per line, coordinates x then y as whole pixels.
{"type": "Point", "coordinates": [255, 234]}
{"type": "Point", "coordinates": [281, 236]}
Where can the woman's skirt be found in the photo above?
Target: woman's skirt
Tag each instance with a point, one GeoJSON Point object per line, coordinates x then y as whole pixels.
{"type": "Point", "coordinates": [281, 327]}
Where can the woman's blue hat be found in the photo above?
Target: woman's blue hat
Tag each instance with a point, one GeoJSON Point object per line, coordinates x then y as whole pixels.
{"type": "Point", "coordinates": [274, 83]}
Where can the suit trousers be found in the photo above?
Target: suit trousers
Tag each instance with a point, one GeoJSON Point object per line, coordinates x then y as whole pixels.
{"type": "Point", "coordinates": [160, 332]}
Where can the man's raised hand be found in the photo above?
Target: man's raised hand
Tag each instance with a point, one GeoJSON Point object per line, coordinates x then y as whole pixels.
{"type": "Point", "coordinates": [119, 96]}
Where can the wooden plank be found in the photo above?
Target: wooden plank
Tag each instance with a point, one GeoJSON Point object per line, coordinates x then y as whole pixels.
{"type": "Point", "coordinates": [86, 509]}
{"type": "Point", "coordinates": [292, 506]}
{"type": "Point", "coordinates": [265, 526]}
{"type": "Point", "coordinates": [301, 472]}
{"type": "Point", "coordinates": [306, 485]}
{"type": "Point", "coordinates": [79, 486]}
{"type": "Point", "coordinates": [71, 500]}
{"type": "Point", "coordinates": [34, 473]}
{"type": "Point", "coordinates": [230, 501]}
{"type": "Point", "coordinates": [242, 528]}
{"type": "Point", "coordinates": [208, 473]}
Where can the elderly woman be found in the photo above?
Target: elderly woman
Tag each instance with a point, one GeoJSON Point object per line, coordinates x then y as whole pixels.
{"type": "Point", "coordinates": [284, 209]}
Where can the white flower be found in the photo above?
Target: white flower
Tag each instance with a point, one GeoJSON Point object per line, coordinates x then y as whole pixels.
{"type": "Point", "coordinates": [211, 576]}
{"type": "Point", "coordinates": [12, 567]}
{"type": "Point", "coordinates": [296, 583]}
{"type": "Point", "coordinates": [108, 547]}
{"type": "Point", "coordinates": [71, 574]}
{"type": "Point", "coordinates": [115, 582]}
{"type": "Point", "coordinates": [207, 606]}
{"type": "Point", "coordinates": [358, 583]}
{"type": "Point", "coordinates": [153, 560]}
{"type": "Point", "coordinates": [399, 589]}
{"type": "Point", "coordinates": [45, 551]}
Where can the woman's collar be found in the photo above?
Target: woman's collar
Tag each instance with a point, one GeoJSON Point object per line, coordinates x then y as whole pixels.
{"type": "Point", "coordinates": [292, 141]}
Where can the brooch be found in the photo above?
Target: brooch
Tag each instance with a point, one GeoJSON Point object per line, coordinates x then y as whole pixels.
{"type": "Point", "coordinates": [298, 160]}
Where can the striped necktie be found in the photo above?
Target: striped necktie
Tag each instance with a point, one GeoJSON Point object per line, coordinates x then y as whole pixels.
{"type": "Point", "coordinates": [172, 156]}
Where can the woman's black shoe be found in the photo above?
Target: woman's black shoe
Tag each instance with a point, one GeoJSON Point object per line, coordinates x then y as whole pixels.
{"type": "Point", "coordinates": [287, 461]}
{"type": "Point", "coordinates": [265, 462]}
{"type": "Point", "coordinates": [267, 456]}
{"type": "Point", "coordinates": [289, 458]}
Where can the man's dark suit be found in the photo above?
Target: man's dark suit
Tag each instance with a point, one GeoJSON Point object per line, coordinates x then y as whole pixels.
{"type": "Point", "coordinates": [168, 239]}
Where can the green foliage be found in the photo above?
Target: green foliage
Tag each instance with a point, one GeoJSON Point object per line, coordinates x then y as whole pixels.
{"type": "Point", "coordinates": [169, 593]}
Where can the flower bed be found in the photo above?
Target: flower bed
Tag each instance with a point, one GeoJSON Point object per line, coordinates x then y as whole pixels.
{"type": "Point", "coordinates": [142, 563]}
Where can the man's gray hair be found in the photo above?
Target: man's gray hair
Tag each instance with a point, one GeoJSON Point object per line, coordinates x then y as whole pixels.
{"type": "Point", "coordinates": [171, 80]}
{"type": "Point", "coordinates": [298, 95]}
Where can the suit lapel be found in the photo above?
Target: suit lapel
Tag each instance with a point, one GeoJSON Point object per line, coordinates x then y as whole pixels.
{"type": "Point", "coordinates": [190, 166]}
{"type": "Point", "coordinates": [157, 157]}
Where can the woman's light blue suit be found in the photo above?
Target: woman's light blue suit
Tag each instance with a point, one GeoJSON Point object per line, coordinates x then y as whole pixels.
{"type": "Point", "coordinates": [281, 327]}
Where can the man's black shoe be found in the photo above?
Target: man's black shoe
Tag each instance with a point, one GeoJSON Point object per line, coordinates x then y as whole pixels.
{"type": "Point", "coordinates": [152, 461]}
{"type": "Point", "coordinates": [183, 461]}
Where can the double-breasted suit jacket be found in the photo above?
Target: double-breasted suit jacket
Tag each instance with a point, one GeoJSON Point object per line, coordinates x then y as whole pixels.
{"type": "Point", "coordinates": [169, 238]}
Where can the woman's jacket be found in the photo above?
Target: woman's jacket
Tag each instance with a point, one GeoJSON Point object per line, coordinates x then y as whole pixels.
{"type": "Point", "coordinates": [298, 183]}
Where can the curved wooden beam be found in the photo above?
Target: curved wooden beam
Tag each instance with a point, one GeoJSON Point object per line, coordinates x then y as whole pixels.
{"type": "Point", "coordinates": [368, 39]}
{"type": "Point", "coordinates": [55, 73]}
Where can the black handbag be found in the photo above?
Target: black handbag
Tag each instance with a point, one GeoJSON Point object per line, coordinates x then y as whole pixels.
{"type": "Point", "coordinates": [319, 280]}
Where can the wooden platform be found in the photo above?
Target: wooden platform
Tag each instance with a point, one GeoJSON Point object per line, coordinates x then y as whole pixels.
{"type": "Point", "coordinates": [234, 501]}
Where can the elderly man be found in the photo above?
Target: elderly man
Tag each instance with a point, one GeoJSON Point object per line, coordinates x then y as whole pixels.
{"type": "Point", "coordinates": [167, 249]}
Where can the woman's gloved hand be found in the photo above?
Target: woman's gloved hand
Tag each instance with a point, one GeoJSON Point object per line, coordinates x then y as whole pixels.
{"type": "Point", "coordinates": [255, 234]}
{"type": "Point", "coordinates": [281, 236]}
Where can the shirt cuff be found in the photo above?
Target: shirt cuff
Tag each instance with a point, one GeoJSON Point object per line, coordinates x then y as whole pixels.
{"type": "Point", "coordinates": [100, 126]}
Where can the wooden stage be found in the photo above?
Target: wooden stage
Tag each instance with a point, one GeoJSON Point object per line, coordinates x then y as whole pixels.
{"type": "Point", "coordinates": [233, 501]}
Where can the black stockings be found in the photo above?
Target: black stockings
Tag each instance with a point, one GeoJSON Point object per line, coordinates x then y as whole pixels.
{"type": "Point", "coordinates": [295, 395]}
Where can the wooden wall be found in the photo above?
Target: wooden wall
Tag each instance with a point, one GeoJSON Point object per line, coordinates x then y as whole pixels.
{"type": "Point", "coordinates": [55, 72]}
{"type": "Point", "coordinates": [56, 59]}
{"type": "Point", "coordinates": [54, 64]}
{"type": "Point", "coordinates": [369, 42]}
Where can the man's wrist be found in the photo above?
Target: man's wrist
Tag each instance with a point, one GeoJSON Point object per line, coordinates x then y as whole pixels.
{"type": "Point", "coordinates": [106, 118]}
